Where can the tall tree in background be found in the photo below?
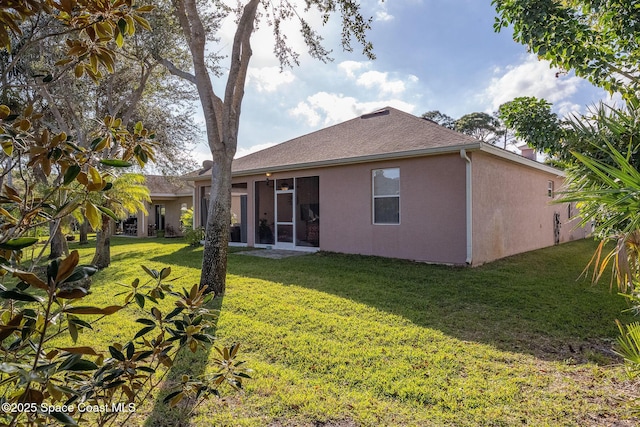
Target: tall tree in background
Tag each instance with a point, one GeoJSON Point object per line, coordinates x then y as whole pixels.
{"type": "Point", "coordinates": [482, 126]}
{"type": "Point", "coordinates": [598, 39]}
{"type": "Point", "coordinates": [533, 122]}
{"type": "Point", "coordinates": [140, 89]}
{"type": "Point", "coordinates": [440, 118]}
{"type": "Point", "coordinates": [222, 112]}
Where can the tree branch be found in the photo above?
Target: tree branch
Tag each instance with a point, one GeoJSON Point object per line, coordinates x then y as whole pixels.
{"type": "Point", "coordinates": [171, 67]}
{"type": "Point", "coordinates": [240, 57]}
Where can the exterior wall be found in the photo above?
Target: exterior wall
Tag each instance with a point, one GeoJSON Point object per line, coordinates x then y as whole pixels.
{"type": "Point", "coordinates": [173, 211]}
{"type": "Point", "coordinates": [512, 212]}
{"type": "Point", "coordinates": [432, 209]}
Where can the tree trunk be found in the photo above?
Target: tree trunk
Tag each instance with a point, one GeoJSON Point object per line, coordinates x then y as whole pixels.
{"type": "Point", "coordinates": [221, 120]}
{"type": "Point", "coordinates": [58, 245]}
{"type": "Point", "coordinates": [102, 257]}
{"type": "Point", "coordinates": [214, 257]}
{"type": "Point", "coordinates": [84, 231]}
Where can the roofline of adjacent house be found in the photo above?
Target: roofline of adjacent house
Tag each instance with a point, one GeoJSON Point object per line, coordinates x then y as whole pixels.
{"type": "Point", "coordinates": [170, 195]}
{"type": "Point", "coordinates": [424, 152]}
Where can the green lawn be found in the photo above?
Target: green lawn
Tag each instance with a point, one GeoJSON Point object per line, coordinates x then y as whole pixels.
{"type": "Point", "coordinates": [342, 340]}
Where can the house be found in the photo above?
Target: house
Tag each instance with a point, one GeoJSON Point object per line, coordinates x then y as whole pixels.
{"type": "Point", "coordinates": [394, 185]}
{"type": "Point", "coordinates": [170, 197]}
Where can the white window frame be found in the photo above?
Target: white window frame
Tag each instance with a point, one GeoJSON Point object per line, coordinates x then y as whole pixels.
{"type": "Point", "coordinates": [388, 196]}
{"type": "Point", "coordinates": [550, 189]}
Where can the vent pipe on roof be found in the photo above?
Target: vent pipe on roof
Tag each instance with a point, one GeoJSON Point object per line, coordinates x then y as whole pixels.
{"type": "Point", "coordinates": [469, 205]}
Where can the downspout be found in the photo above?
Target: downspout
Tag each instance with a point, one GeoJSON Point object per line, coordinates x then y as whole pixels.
{"type": "Point", "coordinates": [469, 206]}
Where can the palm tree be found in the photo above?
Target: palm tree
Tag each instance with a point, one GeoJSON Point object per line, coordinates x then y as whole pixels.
{"type": "Point", "coordinates": [606, 184]}
{"type": "Point", "coordinates": [125, 196]}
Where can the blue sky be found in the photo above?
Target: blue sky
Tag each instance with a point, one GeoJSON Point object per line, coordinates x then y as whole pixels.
{"type": "Point", "coordinates": [431, 55]}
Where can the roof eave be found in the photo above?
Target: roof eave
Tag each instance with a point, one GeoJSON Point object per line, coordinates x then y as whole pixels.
{"type": "Point", "coordinates": [509, 155]}
{"type": "Point", "coordinates": [424, 152]}
{"type": "Point", "coordinates": [362, 159]}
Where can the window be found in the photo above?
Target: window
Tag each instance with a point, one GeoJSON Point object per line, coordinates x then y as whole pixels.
{"type": "Point", "coordinates": [386, 196]}
{"type": "Point", "coordinates": [550, 188]}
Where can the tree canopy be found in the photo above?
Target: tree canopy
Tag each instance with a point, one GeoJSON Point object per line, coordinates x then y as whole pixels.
{"type": "Point", "coordinates": [595, 38]}
{"type": "Point", "coordinates": [533, 122]}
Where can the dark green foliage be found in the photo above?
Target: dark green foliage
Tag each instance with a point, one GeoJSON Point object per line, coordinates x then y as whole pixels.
{"type": "Point", "coordinates": [532, 122]}
{"type": "Point", "coordinates": [38, 372]}
{"type": "Point", "coordinates": [595, 38]}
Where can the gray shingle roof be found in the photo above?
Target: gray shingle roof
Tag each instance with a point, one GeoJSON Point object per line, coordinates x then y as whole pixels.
{"type": "Point", "coordinates": [167, 185]}
{"type": "Point", "coordinates": [383, 133]}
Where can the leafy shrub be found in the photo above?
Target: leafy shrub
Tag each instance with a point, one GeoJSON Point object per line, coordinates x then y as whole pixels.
{"type": "Point", "coordinates": [194, 236]}
{"type": "Point", "coordinates": [44, 383]}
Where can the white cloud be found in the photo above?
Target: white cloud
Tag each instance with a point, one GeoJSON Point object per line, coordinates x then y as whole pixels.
{"type": "Point", "coordinates": [306, 111]}
{"type": "Point", "coordinates": [371, 79]}
{"type": "Point", "coordinates": [269, 79]}
{"type": "Point", "coordinates": [336, 108]}
{"type": "Point", "coordinates": [351, 67]}
{"type": "Point", "coordinates": [530, 78]}
{"type": "Point", "coordinates": [382, 14]}
{"type": "Point", "coordinates": [568, 108]}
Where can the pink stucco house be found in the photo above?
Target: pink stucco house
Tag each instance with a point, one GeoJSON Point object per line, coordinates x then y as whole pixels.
{"type": "Point", "coordinates": [395, 185]}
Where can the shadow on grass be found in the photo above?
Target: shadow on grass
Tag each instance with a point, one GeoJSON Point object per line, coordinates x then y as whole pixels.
{"type": "Point", "coordinates": [185, 363]}
{"type": "Point", "coordinates": [530, 303]}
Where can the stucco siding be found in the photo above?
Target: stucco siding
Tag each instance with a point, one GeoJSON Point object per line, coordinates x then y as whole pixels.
{"type": "Point", "coordinates": [512, 211]}
{"type": "Point", "coordinates": [432, 209]}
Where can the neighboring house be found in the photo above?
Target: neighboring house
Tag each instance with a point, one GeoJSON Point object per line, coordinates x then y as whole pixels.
{"type": "Point", "coordinates": [394, 185]}
{"type": "Point", "coordinates": [170, 197]}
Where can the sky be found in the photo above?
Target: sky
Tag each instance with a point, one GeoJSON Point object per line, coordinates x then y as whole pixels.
{"type": "Point", "coordinates": [430, 55]}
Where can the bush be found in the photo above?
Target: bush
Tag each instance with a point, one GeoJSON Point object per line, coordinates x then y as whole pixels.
{"type": "Point", "coordinates": [194, 236]}
{"type": "Point", "coordinates": [44, 383]}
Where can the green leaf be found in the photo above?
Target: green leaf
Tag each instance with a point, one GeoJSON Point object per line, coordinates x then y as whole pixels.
{"type": "Point", "coordinates": [75, 362]}
{"type": "Point", "coordinates": [116, 163]}
{"type": "Point", "coordinates": [92, 310]}
{"type": "Point", "coordinates": [108, 212]}
{"type": "Point", "coordinates": [130, 350]}
{"type": "Point", "coordinates": [116, 354]}
{"type": "Point", "coordinates": [63, 418]}
{"type": "Point", "coordinates": [73, 331]}
{"type": "Point", "coordinates": [71, 174]}
{"type": "Point", "coordinates": [80, 322]}
{"type": "Point", "coordinates": [20, 243]}
{"type": "Point", "coordinates": [139, 300]}
{"type": "Point", "coordinates": [83, 365]}
{"type": "Point", "coordinates": [19, 296]}
{"type": "Point", "coordinates": [144, 331]}
{"type": "Point", "coordinates": [81, 272]}
{"type": "Point", "coordinates": [170, 396]}
{"type": "Point", "coordinates": [152, 273]}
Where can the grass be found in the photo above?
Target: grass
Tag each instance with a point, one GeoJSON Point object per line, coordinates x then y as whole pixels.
{"type": "Point", "coordinates": [345, 340]}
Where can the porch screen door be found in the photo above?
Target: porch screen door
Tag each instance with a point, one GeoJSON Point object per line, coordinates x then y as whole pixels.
{"type": "Point", "coordinates": [284, 219]}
